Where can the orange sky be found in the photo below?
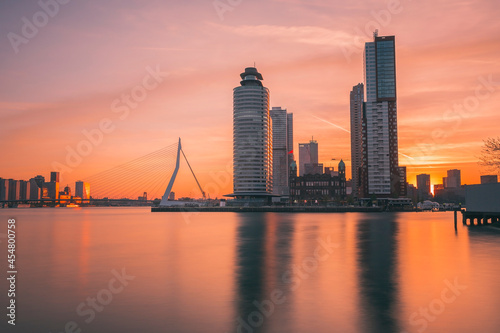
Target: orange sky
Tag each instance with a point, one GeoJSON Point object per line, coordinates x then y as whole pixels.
{"type": "Point", "coordinates": [66, 79]}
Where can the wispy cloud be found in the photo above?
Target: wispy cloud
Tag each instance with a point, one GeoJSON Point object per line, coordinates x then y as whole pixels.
{"type": "Point", "coordinates": [334, 125]}
{"type": "Point", "coordinates": [294, 34]}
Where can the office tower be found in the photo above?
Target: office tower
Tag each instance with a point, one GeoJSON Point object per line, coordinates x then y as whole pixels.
{"type": "Point", "coordinates": [308, 154]}
{"type": "Point", "coordinates": [486, 179]}
{"type": "Point", "coordinates": [82, 190]}
{"type": "Point", "coordinates": [423, 186]}
{"type": "Point", "coordinates": [453, 179]}
{"type": "Point", "coordinates": [356, 106]}
{"type": "Point", "coordinates": [252, 138]}
{"type": "Point", "coordinates": [280, 150]}
{"type": "Point", "coordinates": [289, 137]}
{"type": "Point", "coordinates": [380, 156]}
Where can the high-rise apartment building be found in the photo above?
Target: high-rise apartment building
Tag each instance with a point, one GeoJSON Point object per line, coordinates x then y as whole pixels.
{"type": "Point", "coordinates": [356, 106]}
{"type": "Point", "coordinates": [308, 154]}
{"type": "Point", "coordinates": [380, 168]}
{"type": "Point", "coordinates": [252, 138]}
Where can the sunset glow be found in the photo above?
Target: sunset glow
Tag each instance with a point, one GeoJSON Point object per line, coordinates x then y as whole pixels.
{"type": "Point", "coordinates": [178, 61]}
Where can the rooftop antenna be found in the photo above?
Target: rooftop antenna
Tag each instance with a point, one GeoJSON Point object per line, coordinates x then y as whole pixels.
{"type": "Point", "coordinates": [375, 33]}
{"type": "Point", "coordinates": [254, 65]}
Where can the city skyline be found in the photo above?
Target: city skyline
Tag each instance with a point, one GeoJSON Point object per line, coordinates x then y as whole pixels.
{"type": "Point", "coordinates": [66, 93]}
{"type": "Point", "coordinates": [265, 166]}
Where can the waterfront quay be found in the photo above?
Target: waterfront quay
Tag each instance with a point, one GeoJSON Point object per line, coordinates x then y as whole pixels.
{"type": "Point", "coordinates": [265, 209]}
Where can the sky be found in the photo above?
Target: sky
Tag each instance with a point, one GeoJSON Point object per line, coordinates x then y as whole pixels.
{"type": "Point", "coordinates": [134, 76]}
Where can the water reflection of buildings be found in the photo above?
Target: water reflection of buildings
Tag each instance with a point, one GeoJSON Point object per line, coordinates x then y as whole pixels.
{"type": "Point", "coordinates": [264, 254]}
{"type": "Point", "coordinates": [377, 263]}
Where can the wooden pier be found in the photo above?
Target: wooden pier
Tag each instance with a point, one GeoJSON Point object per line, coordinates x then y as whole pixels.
{"type": "Point", "coordinates": [479, 218]}
{"type": "Point", "coordinates": [483, 205]}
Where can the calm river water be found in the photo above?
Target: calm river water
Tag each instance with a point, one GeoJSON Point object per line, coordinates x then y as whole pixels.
{"type": "Point", "coordinates": [130, 270]}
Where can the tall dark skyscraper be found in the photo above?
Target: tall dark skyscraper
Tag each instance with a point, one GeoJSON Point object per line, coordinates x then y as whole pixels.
{"type": "Point", "coordinates": [381, 173]}
{"type": "Point", "coordinates": [252, 137]}
{"type": "Point", "coordinates": [282, 123]}
{"type": "Point", "coordinates": [356, 105]}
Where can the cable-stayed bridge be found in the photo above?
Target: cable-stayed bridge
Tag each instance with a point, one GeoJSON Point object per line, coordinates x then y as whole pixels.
{"type": "Point", "coordinates": [143, 179]}
{"type": "Point", "coordinates": [148, 173]}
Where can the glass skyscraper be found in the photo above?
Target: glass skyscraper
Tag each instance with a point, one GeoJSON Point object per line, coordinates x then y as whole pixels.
{"type": "Point", "coordinates": [380, 165]}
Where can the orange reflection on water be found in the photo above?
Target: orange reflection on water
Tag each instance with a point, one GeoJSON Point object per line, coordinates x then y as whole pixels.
{"type": "Point", "coordinates": [429, 255]}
